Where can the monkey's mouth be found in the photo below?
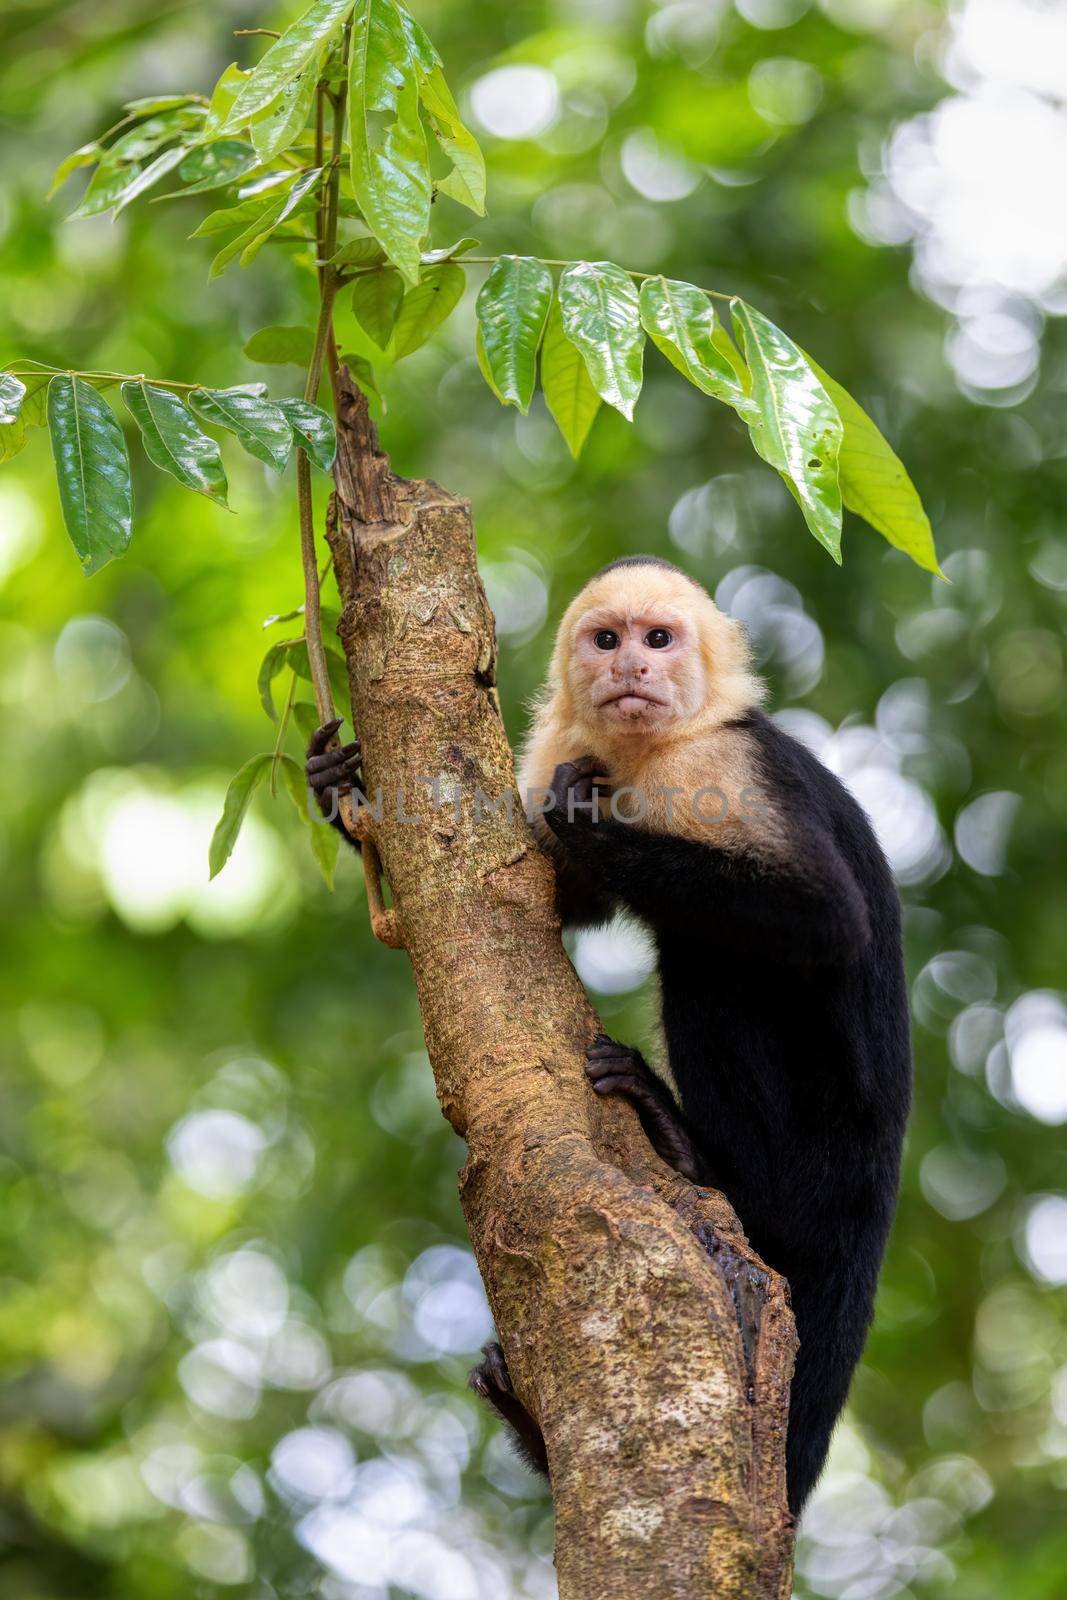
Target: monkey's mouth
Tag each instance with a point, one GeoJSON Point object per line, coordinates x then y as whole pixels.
{"type": "Point", "coordinates": [631, 701]}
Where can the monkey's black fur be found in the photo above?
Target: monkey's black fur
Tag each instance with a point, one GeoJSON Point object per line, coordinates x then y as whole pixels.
{"type": "Point", "coordinates": [785, 1014]}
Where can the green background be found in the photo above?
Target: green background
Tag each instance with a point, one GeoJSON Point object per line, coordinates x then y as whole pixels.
{"type": "Point", "coordinates": [237, 1307]}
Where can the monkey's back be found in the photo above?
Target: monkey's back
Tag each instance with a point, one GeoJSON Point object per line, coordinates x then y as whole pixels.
{"type": "Point", "coordinates": [795, 1076]}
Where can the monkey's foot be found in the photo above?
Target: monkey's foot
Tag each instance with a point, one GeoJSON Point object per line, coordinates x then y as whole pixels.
{"type": "Point", "coordinates": [332, 773]}
{"type": "Point", "coordinates": [492, 1380]}
{"type": "Point", "coordinates": [618, 1069]}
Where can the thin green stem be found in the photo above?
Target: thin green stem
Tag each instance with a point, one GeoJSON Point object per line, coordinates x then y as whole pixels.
{"type": "Point", "coordinates": [324, 345]}
{"type": "Point", "coordinates": [283, 725]}
{"type": "Point", "coordinates": [112, 377]}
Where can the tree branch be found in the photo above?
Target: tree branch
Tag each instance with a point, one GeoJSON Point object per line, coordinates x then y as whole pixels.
{"type": "Point", "coordinates": [650, 1343]}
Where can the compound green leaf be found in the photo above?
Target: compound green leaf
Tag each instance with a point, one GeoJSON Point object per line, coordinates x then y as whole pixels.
{"type": "Point", "coordinates": [680, 320]}
{"type": "Point", "coordinates": [288, 120]}
{"type": "Point", "coordinates": [376, 298]}
{"type": "Point", "coordinates": [513, 305]}
{"type": "Point", "coordinates": [874, 482]}
{"type": "Point", "coordinates": [238, 799]}
{"type": "Point", "coordinates": [259, 425]}
{"type": "Point", "coordinates": [601, 315]}
{"type": "Point", "coordinates": [568, 388]}
{"type": "Point", "coordinates": [173, 441]}
{"type": "Point", "coordinates": [313, 430]}
{"type": "Point", "coordinates": [92, 470]}
{"type": "Point", "coordinates": [285, 60]}
{"type": "Point", "coordinates": [427, 306]}
{"type": "Point", "coordinates": [212, 166]}
{"type": "Point", "coordinates": [390, 163]}
{"type": "Point", "coordinates": [281, 346]}
{"type": "Point", "coordinates": [12, 394]}
{"type": "Point", "coordinates": [798, 430]}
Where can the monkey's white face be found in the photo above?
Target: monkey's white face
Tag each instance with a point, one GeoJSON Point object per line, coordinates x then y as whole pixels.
{"type": "Point", "coordinates": [638, 671]}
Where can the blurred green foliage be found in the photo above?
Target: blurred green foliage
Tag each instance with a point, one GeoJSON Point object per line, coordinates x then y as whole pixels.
{"type": "Point", "coordinates": [237, 1310]}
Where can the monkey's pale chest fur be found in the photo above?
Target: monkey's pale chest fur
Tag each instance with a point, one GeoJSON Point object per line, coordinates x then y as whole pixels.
{"type": "Point", "coordinates": [704, 785]}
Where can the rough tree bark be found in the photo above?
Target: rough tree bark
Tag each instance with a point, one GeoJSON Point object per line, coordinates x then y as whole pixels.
{"type": "Point", "coordinates": [652, 1345]}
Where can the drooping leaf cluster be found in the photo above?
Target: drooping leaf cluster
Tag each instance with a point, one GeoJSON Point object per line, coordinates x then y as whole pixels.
{"type": "Point", "coordinates": [363, 196]}
{"type": "Point", "coordinates": [334, 145]}
{"type": "Point", "coordinates": [92, 460]}
{"type": "Point", "coordinates": [590, 331]}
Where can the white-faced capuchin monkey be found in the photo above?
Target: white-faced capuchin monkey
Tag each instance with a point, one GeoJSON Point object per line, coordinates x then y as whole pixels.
{"type": "Point", "coordinates": [660, 787]}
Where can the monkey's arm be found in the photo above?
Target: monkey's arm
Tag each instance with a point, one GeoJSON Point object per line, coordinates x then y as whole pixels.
{"type": "Point", "coordinates": [808, 910]}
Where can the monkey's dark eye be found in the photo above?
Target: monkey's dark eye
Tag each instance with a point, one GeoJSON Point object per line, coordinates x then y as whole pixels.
{"type": "Point", "coordinates": [658, 638]}
{"type": "Point", "coordinates": [605, 639]}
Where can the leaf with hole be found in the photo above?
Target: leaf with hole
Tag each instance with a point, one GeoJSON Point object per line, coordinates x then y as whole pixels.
{"type": "Point", "coordinates": [313, 430]}
{"type": "Point", "coordinates": [213, 166]}
{"type": "Point", "coordinates": [512, 307]}
{"type": "Point", "coordinates": [798, 430]}
{"type": "Point", "coordinates": [680, 320]}
{"type": "Point", "coordinates": [238, 799]}
{"type": "Point", "coordinates": [568, 389]}
{"type": "Point", "coordinates": [92, 471]}
{"type": "Point", "coordinates": [173, 441]}
{"type": "Point", "coordinates": [288, 120]}
{"type": "Point", "coordinates": [285, 60]}
{"type": "Point", "coordinates": [601, 315]}
{"type": "Point", "coordinates": [256, 423]}
{"type": "Point", "coordinates": [376, 298]}
{"type": "Point", "coordinates": [427, 306]}
{"type": "Point", "coordinates": [281, 346]}
{"type": "Point", "coordinates": [874, 481]}
{"type": "Point", "coordinates": [390, 164]}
